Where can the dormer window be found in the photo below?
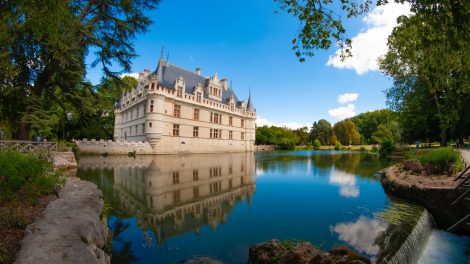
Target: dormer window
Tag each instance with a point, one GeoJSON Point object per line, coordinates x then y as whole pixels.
{"type": "Point", "coordinates": [198, 96]}
{"type": "Point", "coordinates": [179, 91]}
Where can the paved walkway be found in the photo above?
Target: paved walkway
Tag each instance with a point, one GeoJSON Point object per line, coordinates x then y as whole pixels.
{"type": "Point", "coordinates": [466, 156]}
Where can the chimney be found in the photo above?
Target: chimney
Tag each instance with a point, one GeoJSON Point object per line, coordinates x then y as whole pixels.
{"type": "Point", "coordinates": [224, 83]}
{"type": "Point", "coordinates": [198, 71]}
{"type": "Point", "coordinates": [146, 72]}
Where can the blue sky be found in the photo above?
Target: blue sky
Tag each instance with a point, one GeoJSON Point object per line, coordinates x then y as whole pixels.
{"type": "Point", "coordinates": [247, 42]}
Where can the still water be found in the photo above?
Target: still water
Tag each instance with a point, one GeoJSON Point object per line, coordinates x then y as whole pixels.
{"type": "Point", "coordinates": [168, 209]}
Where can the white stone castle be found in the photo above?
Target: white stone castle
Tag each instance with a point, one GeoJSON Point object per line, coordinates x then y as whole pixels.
{"type": "Point", "coordinates": [178, 111]}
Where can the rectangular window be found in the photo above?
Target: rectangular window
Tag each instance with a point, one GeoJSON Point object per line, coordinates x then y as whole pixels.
{"type": "Point", "coordinates": [179, 92]}
{"type": "Point", "coordinates": [150, 124]}
{"type": "Point", "coordinates": [198, 96]}
{"type": "Point", "coordinates": [196, 192]}
{"type": "Point", "coordinates": [220, 118]}
{"type": "Point", "coordinates": [230, 135]}
{"type": "Point", "coordinates": [177, 110]}
{"type": "Point", "coordinates": [212, 116]}
{"type": "Point", "coordinates": [196, 114]}
{"type": "Point", "coordinates": [151, 106]}
{"type": "Point", "coordinates": [243, 135]}
{"type": "Point", "coordinates": [176, 196]}
{"type": "Point", "coordinates": [243, 123]}
{"type": "Point", "coordinates": [176, 177]}
{"type": "Point", "coordinates": [176, 130]}
{"type": "Point", "coordinates": [143, 128]}
{"type": "Point", "coordinates": [153, 86]}
{"type": "Point", "coordinates": [230, 121]}
{"type": "Point", "coordinates": [216, 133]}
{"type": "Point", "coordinates": [195, 131]}
{"type": "Point", "coordinates": [195, 175]}
{"type": "Point", "coordinates": [210, 133]}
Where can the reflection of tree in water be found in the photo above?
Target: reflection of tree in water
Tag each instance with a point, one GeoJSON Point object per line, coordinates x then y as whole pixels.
{"type": "Point", "coordinates": [402, 218]}
{"type": "Point", "coordinates": [124, 254]}
{"type": "Point", "coordinates": [360, 164]}
{"type": "Point", "coordinates": [283, 163]}
{"type": "Point", "coordinates": [104, 179]}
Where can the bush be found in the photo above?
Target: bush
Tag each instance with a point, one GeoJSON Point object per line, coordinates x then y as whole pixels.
{"type": "Point", "coordinates": [374, 148]}
{"type": "Point", "coordinates": [362, 149]}
{"type": "Point", "coordinates": [386, 148]}
{"type": "Point", "coordinates": [27, 172]}
{"type": "Point", "coordinates": [338, 146]}
{"type": "Point", "coordinates": [316, 144]}
{"type": "Point", "coordinates": [412, 165]}
{"type": "Point", "coordinates": [440, 160]}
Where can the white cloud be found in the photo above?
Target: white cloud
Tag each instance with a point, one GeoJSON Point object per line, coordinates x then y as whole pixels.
{"type": "Point", "coordinates": [132, 74]}
{"type": "Point", "coordinates": [347, 97]}
{"type": "Point", "coordinates": [369, 45]}
{"type": "Point", "coordinates": [343, 112]}
{"type": "Point", "coordinates": [361, 234]}
{"type": "Point", "coordinates": [266, 122]}
{"type": "Point", "coordinates": [346, 182]}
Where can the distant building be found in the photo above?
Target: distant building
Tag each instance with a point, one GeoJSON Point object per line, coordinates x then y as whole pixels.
{"type": "Point", "coordinates": [179, 111]}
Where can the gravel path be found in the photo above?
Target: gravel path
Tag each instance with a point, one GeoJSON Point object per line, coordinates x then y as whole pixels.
{"type": "Point", "coordinates": [466, 156]}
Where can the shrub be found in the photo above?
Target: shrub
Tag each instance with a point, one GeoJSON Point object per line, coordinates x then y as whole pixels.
{"type": "Point", "coordinates": [316, 144]}
{"type": "Point", "coordinates": [412, 165]}
{"type": "Point", "coordinates": [440, 160]}
{"type": "Point", "coordinates": [338, 146]}
{"type": "Point", "coordinates": [362, 149]}
{"type": "Point", "coordinates": [386, 148]}
{"type": "Point", "coordinates": [374, 148]}
{"type": "Point", "coordinates": [27, 172]}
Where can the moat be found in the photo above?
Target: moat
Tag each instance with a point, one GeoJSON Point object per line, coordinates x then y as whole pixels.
{"type": "Point", "coordinates": [167, 209]}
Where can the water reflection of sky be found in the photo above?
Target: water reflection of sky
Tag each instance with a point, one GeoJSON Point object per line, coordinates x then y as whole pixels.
{"type": "Point", "coordinates": [177, 207]}
{"type": "Point", "coordinates": [361, 234]}
{"type": "Point", "coordinates": [346, 182]}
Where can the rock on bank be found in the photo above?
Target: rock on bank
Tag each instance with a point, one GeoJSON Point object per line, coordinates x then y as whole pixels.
{"type": "Point", "coordinates": [70, 229]}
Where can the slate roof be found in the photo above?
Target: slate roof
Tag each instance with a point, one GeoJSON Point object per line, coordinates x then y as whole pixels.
{"type": "Point", "coordinates": [171, 72]}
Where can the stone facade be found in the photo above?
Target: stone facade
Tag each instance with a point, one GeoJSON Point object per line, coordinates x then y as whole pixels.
{"type": "Point", "coordinates": [178, 111]}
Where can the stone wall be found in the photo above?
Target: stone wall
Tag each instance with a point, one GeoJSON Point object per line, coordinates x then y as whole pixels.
{"type": "Point", "coordinates": [113, 147]}
{"type": "Point", "coordinates": [167, 145]}
{"type": "Point", "coordinates": [435, 195]}
{"type": "Point", "coordinates": [259, 148]}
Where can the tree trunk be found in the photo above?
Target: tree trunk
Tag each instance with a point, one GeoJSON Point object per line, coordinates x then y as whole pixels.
{"type": "Point", "coordinates": [443, 135]}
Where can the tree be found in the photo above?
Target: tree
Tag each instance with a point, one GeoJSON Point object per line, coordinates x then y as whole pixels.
{"type": "Point", "coordinates": [322, 131]}
{"type": "Point", "coordinates": [302, 135]}
{"type": "Point", "coordinates": [368, 122]}
{"type": "Point", "coordinates": [44, 45]}
{"type": "Point", "coordinates": [346, 133]}
{"type": "Point", "coordinates": [382, 134]}
{"type": "Point", "coordinates": [320, 26]}
{"type": "Point", "coordinates": [428, 59]}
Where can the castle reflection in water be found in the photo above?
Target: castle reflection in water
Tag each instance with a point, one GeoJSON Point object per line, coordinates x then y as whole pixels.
{"type": "Point", "coordinates": [173, 195]}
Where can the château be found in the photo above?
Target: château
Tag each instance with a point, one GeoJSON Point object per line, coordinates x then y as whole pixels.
{"type": "Point", "coordinates": [179, 111]}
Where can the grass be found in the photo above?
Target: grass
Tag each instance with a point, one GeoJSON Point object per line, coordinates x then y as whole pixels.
{"type": "Point", "coordinates": [27, 183]}
{"type": "Point", "coordinates": [28, 173]}
{"type": "Point", "coordinates": [437, 160]}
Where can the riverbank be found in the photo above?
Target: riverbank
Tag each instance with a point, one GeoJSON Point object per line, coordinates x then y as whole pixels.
{"type": "Point", "coordinates": [69, 230]}
{"type": "Point", "coordinates": [44, 208]}
{"type": "Point", "coordinates": [435, 192]}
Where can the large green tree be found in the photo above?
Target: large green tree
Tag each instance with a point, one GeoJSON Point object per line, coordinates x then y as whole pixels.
{"type": "Point", "coordinates": [322, 131]}
{"type": "Point", "coordinates": [44, 44]}
{"type": "Point", "coordinates": [428, 59]}
{"type": "Point", "coordinates": [346, 133]}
